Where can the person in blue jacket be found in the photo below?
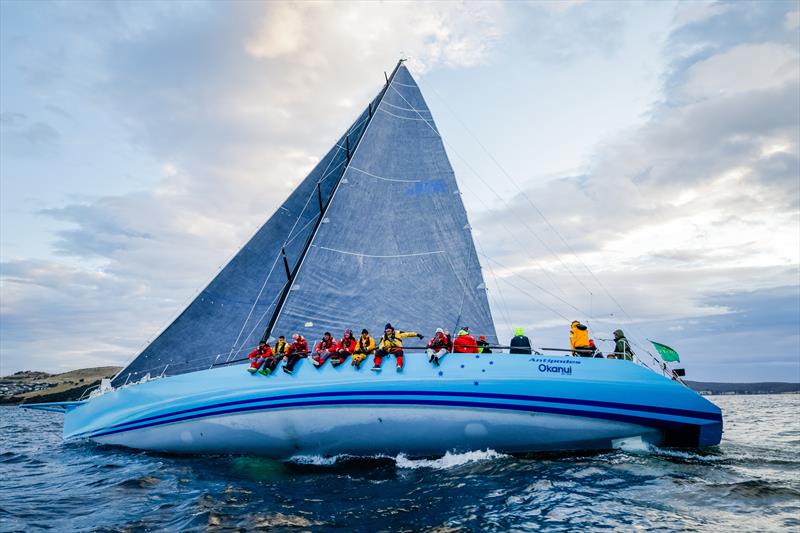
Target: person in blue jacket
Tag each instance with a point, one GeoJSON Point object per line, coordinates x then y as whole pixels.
{"type": "Point", "coordinates": [520, 343]}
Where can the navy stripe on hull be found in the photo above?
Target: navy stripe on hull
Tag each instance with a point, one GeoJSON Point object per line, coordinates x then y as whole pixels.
{"type": "Point", "coordinates": [640, 420]}
{"type": "Point", "coordinates": [717, 417]}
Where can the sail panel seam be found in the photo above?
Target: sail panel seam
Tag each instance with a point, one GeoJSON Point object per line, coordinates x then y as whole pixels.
{"type": "Point", "coordinates": [382, 178]}
{"type": "Point", "coordinates": [360, 254]}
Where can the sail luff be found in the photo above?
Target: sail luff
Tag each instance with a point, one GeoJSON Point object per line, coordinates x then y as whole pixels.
{"type": "Point", "coordinates": [279, 307]}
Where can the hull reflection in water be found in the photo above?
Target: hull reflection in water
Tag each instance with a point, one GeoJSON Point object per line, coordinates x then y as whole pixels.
{"type": "Point", "coordinates": [472, 402]}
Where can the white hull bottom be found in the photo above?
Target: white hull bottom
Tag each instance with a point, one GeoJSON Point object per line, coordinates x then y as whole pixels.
{"type": "Point", "coordinates": [373, 430]}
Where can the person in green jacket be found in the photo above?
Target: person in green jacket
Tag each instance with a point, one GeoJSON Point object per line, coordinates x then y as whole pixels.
{"type": "Point", "coordinates": [622, 347]}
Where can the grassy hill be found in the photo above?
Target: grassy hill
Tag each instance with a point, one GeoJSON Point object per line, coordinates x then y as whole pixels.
{"type": "Point", "coordinates": [707, 387]}
{"type": "Point", "coordinates": [30, 387]}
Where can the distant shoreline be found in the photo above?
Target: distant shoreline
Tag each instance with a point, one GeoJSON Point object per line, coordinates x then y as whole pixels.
{"type": "Point", "coordinates": [36, 387]}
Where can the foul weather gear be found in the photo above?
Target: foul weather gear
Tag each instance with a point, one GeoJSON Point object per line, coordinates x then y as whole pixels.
{"type": "Point", "coordinates": [622, 347]}
{"type": "Point", "coordinates": [520, 343]}
{"type": "Point", "coordinates": [324, 349]}
{"type": "Point", "coordinates": [483, 346]}
{"type": "Point", "coordinates": [258, 357]}
{"type": "Point", "coordinates": [465, 343]}
{"type": "Point", "coordinates": [579, 339]}
{"type": "Point", "coordinates": [297, 350]}
{"type": "Point", "coordinates": [364, 347]}
{"type": "Point", "coordinates": [343, 349]}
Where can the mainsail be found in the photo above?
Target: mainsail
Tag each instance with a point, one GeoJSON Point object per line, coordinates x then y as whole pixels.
{"type": "Point", "coordinates": [377, 232]}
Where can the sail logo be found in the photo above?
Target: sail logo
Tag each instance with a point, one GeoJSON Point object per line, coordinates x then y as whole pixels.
{"type": "Point", "coordinates": [553, 369]}
{"type": "Point", "coordinates": [426, 187]}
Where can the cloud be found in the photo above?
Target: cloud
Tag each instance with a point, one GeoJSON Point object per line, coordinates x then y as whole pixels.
{"type": "Point", "coordinates": [700, 200]}
{"type": "Point", "coordinates": [233, 104]}
{"type": "Point", "coordinates": [22, 136]}
{"type": "Point", "coordinates": [746, 67]}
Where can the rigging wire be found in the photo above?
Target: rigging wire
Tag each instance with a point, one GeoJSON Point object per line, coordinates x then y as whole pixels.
{"type": "Point", "coordinates": [499, 197]}
{"type": "Point", "coordinates": [540, 213]}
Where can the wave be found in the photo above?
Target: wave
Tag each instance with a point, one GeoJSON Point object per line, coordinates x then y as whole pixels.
{"type": "Point", "coordinates": [447, 461]}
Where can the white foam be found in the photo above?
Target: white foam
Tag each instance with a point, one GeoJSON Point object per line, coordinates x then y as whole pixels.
{"type": "Point", "coordinates": [449, 460]}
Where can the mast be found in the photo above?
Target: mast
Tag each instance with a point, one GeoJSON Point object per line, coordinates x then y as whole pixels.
{"type": "Point", "coordinates": [324, 208]}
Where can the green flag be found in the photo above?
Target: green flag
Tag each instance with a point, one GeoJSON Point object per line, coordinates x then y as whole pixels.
{"type": "Point", "coordinates": [667, 354]}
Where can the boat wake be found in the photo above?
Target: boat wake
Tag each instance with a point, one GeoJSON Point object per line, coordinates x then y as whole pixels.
{"type": "Point", "coordinates": [446, 462]}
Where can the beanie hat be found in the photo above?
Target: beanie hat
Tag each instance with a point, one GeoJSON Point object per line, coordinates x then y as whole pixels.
{"type": "Point", "coordinates": [364, 331]}
{"type": "Point", "coordinates": [388, 326]}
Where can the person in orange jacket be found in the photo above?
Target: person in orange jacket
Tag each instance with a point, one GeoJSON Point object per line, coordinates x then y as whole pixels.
{"type": "Point", "coordinates": [438, 346]}
{"type": "Point", "coordinates": [579, 340]}
{"type": "Point", "coordinates": [324, 349]}
{"type": "Point", "coordinates": [344, 348]}
{"type": "Point", "coordinates": [364, 348]}
{"type": "Point", "coordinates": [259, 356]}
{"type": "Point", "coordinates": [296, 351]}
{"type": "Point", "coordinates": [465, 343]}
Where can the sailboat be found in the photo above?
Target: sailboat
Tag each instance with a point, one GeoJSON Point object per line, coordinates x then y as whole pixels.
{"type": "Point", "coordinates": [377, 232]}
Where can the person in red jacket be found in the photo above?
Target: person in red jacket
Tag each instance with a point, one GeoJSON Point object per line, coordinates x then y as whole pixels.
{"type": "Point", "coordinates": [297, 350]}
{"type": "Point", "coordinates": [438, 347]}
{"type": "Point", "coordinates": [259, 356]}
{"type": "Point", "coordinates": [465, 343]}
{"type": "Point", "coordinates": [344, 348]}
{"type": "Point", "coordinates": [324, 349]}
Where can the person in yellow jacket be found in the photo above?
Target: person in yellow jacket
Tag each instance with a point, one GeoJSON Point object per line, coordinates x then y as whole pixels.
{"type": "Point", "coordinates": [364, 347]}
{"type": "Point", "coordinates": [281, 347]}
{"type": "Point", "coordinates": [392, 344]}
{"type": "Point", "coordinates": [579, 340]}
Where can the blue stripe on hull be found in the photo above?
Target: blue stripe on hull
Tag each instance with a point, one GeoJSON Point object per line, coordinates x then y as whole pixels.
{"type": "Point", "coordinates": [647, 421]}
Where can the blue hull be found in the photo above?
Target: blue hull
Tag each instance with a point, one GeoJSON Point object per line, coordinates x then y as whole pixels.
{"type": "Point", "coordinates": [507, 403]}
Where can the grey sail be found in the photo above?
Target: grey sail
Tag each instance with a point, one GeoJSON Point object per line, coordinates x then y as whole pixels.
{"type": "Point", "coordinates": [229, 316]}
{"type": "Point", "coordinates": [395, 245]}
{"type": "Point", "coordinates": [376, 232]}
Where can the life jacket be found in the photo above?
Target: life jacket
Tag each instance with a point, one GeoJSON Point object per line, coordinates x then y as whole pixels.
{"type": "Point", "coordinates": [300, 345]}
{"type": "Point", "coordinates": [395, 340]}
{"type": "Point", "coordinates": [366, 346]}
{"type": "Point", "coordinates": [465, 344]}
{"type": "Point", "coordinates": [266, 351]}
{"type": "Point", "coordinates": [348, 344]}
{"type": "Point", "coordinates": [438, 342]}
{"type": "Point", "coordinates": [325, 345]}
{"type": "Point", "coordinates": [578, 336]}
{"type": "Point", "coordinates": [281, 347]}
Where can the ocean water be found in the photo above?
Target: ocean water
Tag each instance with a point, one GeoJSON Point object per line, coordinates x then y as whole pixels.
{"type": "Point", "coordinates": [751, 482]}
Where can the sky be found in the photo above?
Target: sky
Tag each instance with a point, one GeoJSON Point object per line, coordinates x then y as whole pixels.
{"type": "Point", "coordinates": [627, 164]}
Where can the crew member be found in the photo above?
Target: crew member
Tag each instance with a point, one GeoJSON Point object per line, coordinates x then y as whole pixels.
{"type": "Point", "coordinates": [364, 347]}
{"type": "Point", "coordinates": [324, 349]}
{"type": "Point", "coordinates": [344, 348]}
{"type": "Point", "coordinates": [297, 350]}
{"type": "Point", "coordinates": [579, 340]}
{"type": "Point", "coordinates": [438, 346]}
{"type": "Point", "coordinates": [258, 356]}
{"type": "Point", "coordinates": [520, 343]}
{"type": "Point", "coordinates": [391, 343]}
